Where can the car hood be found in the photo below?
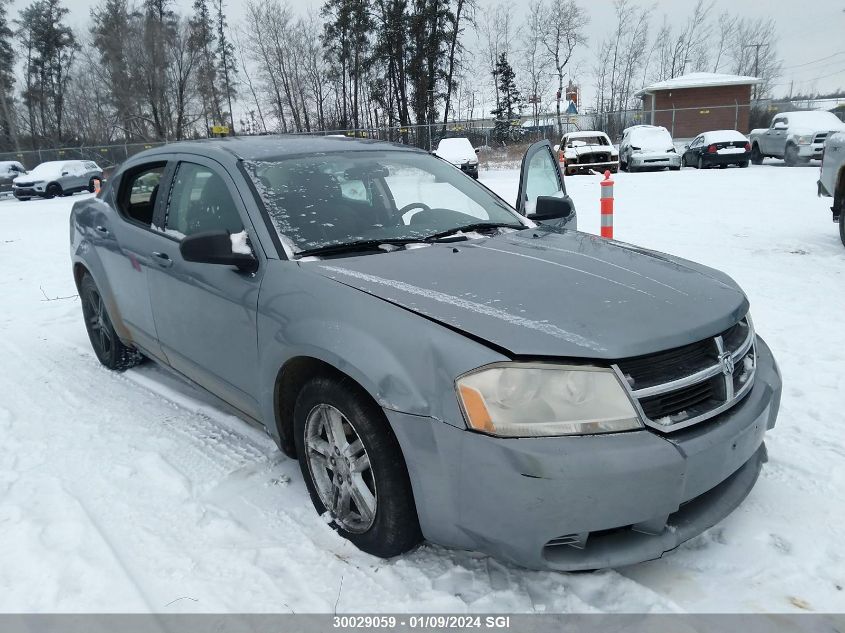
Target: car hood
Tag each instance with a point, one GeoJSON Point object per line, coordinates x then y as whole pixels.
{"type": "Point", "coordinates": [589, 149]}
{"type": "Point", "coordinates": [542, 293]}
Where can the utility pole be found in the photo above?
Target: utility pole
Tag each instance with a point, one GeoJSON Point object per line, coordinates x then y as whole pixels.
{"type": "Point", "coordinates": [756, 48]}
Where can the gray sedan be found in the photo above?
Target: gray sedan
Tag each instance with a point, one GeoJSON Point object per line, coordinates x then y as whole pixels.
{"type": "Point", "coordinates": [443, 366]}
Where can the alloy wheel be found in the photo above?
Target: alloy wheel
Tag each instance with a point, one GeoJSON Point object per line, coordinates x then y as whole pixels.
{"type": "Point", "coordinates": [340, 469]}
{"type": "Point", "coordinates": [97, 320]}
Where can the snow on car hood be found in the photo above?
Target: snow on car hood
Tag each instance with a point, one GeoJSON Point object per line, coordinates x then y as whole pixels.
{"type": "Point", "coordinates": [541, 293]}
{"type": "Point", "coordinates": [44, 171]}
{"type": "Point", "coordinates": [652, 140]}
{"type": "Point", "coordinates": [456, 151]}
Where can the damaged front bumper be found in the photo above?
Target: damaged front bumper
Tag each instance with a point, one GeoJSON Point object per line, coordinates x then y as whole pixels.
{"type": "Point", "coordinates": [587, 502]}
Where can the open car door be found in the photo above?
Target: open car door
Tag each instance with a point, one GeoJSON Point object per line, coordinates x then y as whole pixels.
{"type": "Point", "coordinates": [542, 194]}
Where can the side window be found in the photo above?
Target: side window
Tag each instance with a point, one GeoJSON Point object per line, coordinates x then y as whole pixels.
{"type": "Point", "coordinates": [542, 177]}
{"type": "Point", "coordinates": [200, 201]}
{"type": "Point", "coordinates": [139, 191]}
{"type": "Point", "coordinates": [698, 141]}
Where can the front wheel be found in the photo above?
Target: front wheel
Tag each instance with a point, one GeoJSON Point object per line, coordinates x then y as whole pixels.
{"type": "Point", "coordinates": [756, 155]}
{"type": "Point", "coordinates": [353, 467]}
{"type": "Point", "coordinates": [53, 189]}
{"type": "Point", "coordinates": [109, 349]}
{"type": "Point", "coordinates": [790, 156]}
{"type": "Point", "coordinates": [842, 221]}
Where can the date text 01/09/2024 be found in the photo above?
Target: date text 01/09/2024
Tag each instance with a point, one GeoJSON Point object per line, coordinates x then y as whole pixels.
{"type": "Point", "coordinates": [421, 622]}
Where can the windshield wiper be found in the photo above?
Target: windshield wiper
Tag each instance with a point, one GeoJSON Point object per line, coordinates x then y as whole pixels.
{"type": "Point", "coordinates": [478, 226]}
{"type": "Point", "coordinates": [360, 245]}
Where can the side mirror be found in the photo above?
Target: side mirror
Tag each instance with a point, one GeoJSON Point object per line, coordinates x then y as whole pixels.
{"type": "Point", "coordinates": [686, 146]}
{"type": "Point", "coordinates": [552, 208]}
{"type": "Point", "coordinates": [215, 247]}
{"type": "Point", "coordinates": [477, 150]}
{"type": "Point", "coordinates": [780, 125]}
{"type": "Point", "coordinates": [64, 173]}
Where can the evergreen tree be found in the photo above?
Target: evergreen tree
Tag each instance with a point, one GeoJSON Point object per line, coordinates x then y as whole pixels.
{"type": "Point", "coordinates": [509, 98]}
{"type": "Point", "coordinates": [346, 39]}
{"type": "Point", "coordinates": [50, 47]}
{"type": "Point", "coordinates": [110, 30]}
{"type": "Point", "coordinates": [204, 41]}
{"type": "Point", "coordinates": [227, 67]}
{"type": "Point", "coordinates": [8, 137]}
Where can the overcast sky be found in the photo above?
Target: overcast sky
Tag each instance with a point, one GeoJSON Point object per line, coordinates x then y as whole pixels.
{"type": "Point", "coordinates": [811, 32]}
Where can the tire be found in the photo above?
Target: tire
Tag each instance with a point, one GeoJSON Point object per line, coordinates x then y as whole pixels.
{"type": "Point", "coordinates": [388, 526]}
{"type": "Point", "coordinates": [700, 163]}
{"type": "Point", "coordinates": [842, 221]}
{"type": "Point", "coordinates": [743, 164]}
{"type": "Point", "coordinates": [110, 351]}
{"type": "Point", "coordinates": [24, 199]}
{"type": "Point", "coordinates": [53, 189]}
{"type": "Point", "coordinates": [756, 155]}
{"type": "Point", "coordinates": [684, 160]}
{"type": "Point", "coordinates": [790, 155]}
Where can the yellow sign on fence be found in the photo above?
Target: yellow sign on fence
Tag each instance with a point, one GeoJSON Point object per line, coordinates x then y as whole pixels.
{"type": "Point", "coordinates": [219, 129]}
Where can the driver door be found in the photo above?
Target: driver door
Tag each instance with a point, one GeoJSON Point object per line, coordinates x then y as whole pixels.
{"type": "Point", "coordinates": [541, 177]}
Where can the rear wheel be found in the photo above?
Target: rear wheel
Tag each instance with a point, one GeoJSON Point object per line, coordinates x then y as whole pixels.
{"type": "Point", "coordinates": [756, 155]}
{"type": "Point", "coordinates": [743, 163]}
{"type": "Point", "coordinates": [700, 163]}
{"type": "Point", "coordinates": [353, 467]}
{"type": "Point", "coordinates": [109, 349]}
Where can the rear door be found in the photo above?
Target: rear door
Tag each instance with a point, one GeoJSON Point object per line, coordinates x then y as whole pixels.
{"type": "Point", "coordinates": [206, 314]}
{"type": "Point", "coordinates": [541, 176]}
{"type": "Point", "coordinates": [124, 242]}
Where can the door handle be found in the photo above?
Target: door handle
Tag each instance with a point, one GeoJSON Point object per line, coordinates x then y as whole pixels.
{"type": "Point", "coordinates": [101, 230]}
{"type": "Point", "coordinates": [163, 259]}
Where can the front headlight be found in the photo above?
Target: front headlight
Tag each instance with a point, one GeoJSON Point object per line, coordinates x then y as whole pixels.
{"type": "Point", "coordinates": [543, 399]}
{"type": "Point", "coordinates": [805, 139]}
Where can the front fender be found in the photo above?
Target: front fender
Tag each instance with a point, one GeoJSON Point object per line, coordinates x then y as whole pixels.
{"type": "Point", "coordinates": [406, 362]}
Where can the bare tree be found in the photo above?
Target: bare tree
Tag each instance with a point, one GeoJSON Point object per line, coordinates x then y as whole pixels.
{"type": "Point", "coordinates": [565, 22]}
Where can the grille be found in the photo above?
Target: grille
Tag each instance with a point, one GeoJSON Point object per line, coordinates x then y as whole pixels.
{"type": "Point", "coordinates": [686, 385]}
{"type": "Point", "coordinates": [597, 157]}
{"type": "Point", "coordinates": [24, 184]}
{"type": "Point", "coordinates": [820, 137]}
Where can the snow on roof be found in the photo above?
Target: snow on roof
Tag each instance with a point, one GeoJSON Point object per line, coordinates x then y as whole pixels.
{"type": "Point", "coordinates": [584, 133]}
{"type": "Point", "coordinates": [699, 80]}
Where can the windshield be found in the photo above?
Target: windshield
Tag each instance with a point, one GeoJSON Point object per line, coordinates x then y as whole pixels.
{"type": "Point", "coordinates": [47, 170]}
{"type": "Point", "coordinates": [816, 119]}
{"type": "Point", "coordinates": [578, 141]}
{"type": "Point", "coordinates": [326, 200]}
{"type": "Point", "coordinates": [652, 138]}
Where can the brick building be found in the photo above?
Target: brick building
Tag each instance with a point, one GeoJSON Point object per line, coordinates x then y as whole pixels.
{"type": "Point", "coordinates": [698, 102]}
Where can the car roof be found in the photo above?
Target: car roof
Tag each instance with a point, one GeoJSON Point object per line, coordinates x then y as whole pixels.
{"type": "Point", "coordinates": [273, 146]}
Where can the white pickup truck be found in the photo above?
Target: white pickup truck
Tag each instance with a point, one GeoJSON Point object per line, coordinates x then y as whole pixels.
{"type": "Point", "coordinates": [796, 137]}
{"type": "Point", "coordinates": [832, 178]}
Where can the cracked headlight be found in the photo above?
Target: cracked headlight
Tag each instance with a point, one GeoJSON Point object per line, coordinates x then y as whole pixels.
{"type": "Point", "coordinates": [543, 399]}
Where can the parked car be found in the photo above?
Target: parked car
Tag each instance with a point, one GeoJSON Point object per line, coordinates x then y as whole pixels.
{"type": "Point", "coordinates": [647, 146]}
{"type": "Point", "coordinates": [9, 170]}
{"type": "Point", "coordinates": [832, 178]}
{"type": "Point", "coordinates": [460, 153]}
{"type": "Point", "coordinates": [443, 365]}
{"type": "Point", "coordinates": [585, 152]}
{"type": "Point", "coordinates": [718, 148]}
{"type": "Point", "coordinates": [796, 137]}
{"type": "Point", "coordinates": [57, 178]}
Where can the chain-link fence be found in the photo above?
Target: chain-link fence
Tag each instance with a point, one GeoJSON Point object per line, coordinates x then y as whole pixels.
{"type": "Point", "coordinates": [682, 123]}
{"type": "Point", "coordinates": [107, 156]}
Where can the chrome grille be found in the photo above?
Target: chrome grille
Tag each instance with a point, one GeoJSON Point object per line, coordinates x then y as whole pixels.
{"type": "Point", "coordinates": [680, 387]}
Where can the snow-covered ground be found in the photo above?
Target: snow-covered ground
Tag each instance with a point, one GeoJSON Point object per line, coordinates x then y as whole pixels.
{"type": "Point", "coordinates": [130, 492]}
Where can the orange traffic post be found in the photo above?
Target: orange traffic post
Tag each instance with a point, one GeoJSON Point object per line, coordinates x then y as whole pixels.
{"type": "Point", "coordinates": [607, 206]}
